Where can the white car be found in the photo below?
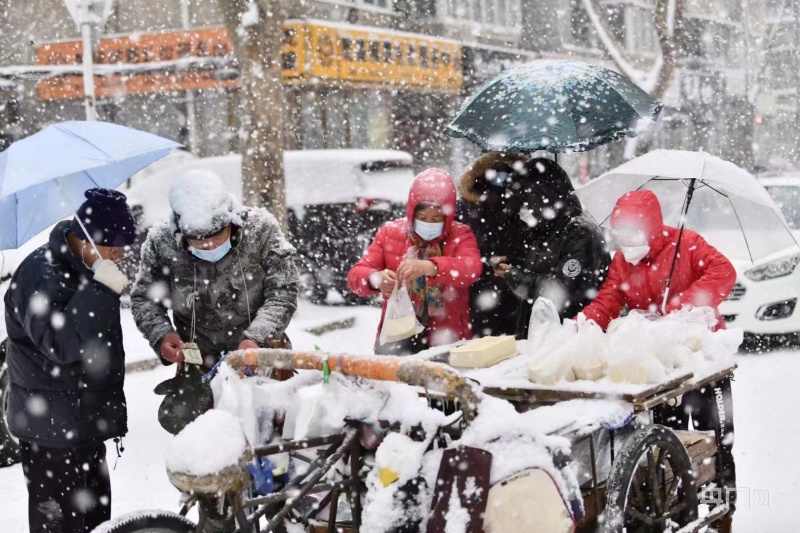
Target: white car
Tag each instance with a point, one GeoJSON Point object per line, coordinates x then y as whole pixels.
{"type": "Point", "coordinates": [764, 300]}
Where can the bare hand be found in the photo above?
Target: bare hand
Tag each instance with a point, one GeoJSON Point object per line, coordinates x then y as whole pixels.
{"type": "Point", "coordinates": [411, 269]}
{"type": "Point", "coordinates": [248, 344]}
{"type": "Point", "coordinates": [170, 348]}
{"type": "Point", "coordinates": [384, 281]}
{"type": "Point", "coordinates": [499, 265]}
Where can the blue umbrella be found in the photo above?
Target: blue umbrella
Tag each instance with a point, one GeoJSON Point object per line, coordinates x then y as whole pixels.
{"type": "Point", "coordinates": [554, 105]}
{"type": "Point", "coordinates": [43, 177]}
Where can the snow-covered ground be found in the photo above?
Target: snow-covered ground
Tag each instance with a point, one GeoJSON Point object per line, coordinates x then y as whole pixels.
{"type": "Point", "coordinates": [765, 391]}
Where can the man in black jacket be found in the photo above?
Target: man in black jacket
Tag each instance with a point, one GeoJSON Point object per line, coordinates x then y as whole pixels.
{"type": "Point", "coordinates": [66, 364]}
{"type": "Point", "coordinates": [565, 257]}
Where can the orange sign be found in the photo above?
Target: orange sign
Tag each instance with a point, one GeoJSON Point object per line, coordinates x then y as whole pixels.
{"type": "Point", "coordinates": [133, 49]}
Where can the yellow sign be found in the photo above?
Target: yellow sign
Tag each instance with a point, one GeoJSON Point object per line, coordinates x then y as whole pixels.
{"type": "Point", "coordinates": [313, 53]}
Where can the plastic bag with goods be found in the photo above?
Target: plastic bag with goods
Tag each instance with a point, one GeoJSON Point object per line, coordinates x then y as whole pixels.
{"type": "Point", "coordinates": [400, 322]}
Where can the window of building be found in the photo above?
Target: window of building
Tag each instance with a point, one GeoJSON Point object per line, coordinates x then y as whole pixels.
{"type": "Point", "coordinates": [580, 25]}
{"type": "Point", "coordinates": [506, 13]}
{"type": "Point", "coordinates": [371, 3]}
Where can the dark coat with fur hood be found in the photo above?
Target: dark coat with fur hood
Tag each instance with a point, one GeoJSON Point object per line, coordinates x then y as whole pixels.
{"type": "Point", "coordinates": [558, 252]}
{"type": "Point", "coordinates": [493, 303]}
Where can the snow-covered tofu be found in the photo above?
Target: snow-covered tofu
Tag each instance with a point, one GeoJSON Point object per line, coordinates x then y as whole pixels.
{"type": "Point", "coordinates": [483, 352]}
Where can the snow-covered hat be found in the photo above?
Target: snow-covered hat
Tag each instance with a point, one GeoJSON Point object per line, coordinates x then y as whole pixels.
{"type": "Point", "coordinates": [201, 205]}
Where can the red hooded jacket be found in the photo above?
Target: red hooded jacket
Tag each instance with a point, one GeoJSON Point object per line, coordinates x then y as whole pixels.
{"type": "Point", "coordinates": [459, 265]}
{"type": "Point", "coordinates": [702, 276]}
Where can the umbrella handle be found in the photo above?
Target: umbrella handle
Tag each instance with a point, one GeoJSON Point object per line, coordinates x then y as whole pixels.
{"type": "Point", "coordinates": [80, 222]}
{"type": "Point", "coordinates": [664, 302]}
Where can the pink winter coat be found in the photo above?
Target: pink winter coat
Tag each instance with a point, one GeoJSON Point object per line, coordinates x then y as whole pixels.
{"type": "Point", "coordinates": [459, 265]}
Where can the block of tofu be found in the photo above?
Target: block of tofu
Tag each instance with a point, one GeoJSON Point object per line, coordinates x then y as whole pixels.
{"type": "Point", "coordinates": [549, 373]}
{"type": "Point", "coordinates": [628, 373]}
{"type": "Point", "coordinates": [588, 372]}
{"type": "Point", "coordinates": [483, 352]}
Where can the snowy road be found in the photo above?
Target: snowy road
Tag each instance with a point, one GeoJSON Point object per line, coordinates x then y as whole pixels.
{"type": "Point", "coordinates": [765, 391]}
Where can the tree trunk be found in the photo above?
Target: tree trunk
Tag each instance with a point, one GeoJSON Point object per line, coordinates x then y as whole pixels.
{"type": "Point", "coordinates": [258, 46]}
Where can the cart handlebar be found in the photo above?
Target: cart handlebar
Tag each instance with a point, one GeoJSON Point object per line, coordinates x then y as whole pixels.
{"type": "Point", "coordinates": [418, 373]}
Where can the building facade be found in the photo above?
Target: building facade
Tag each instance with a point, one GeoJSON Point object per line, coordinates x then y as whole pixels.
{"type": "Point", "coordinates": [367, 73]}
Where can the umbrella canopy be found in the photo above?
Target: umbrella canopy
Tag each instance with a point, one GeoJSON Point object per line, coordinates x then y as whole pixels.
{"type": "Point", "coordinates": [729, 207]}
{"type": "Point", "coordinates": [555, 105]}
{"type": "Point", "coordinates": [43, 177]}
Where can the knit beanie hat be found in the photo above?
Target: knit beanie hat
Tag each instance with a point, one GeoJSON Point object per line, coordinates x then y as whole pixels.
{"type": "Point", "coordinates": [107, 218]}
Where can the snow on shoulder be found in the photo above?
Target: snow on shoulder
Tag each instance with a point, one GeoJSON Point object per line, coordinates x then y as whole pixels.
{"type": "Point", "coordinates": [213, 442]}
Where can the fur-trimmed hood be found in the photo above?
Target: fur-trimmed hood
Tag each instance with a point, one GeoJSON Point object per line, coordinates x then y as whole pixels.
{"type": "Point", "coordinates": [474, 182]}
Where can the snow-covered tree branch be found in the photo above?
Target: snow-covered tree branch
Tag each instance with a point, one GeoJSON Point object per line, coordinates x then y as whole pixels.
{"type": "Point", "coordinates": [668, 15]}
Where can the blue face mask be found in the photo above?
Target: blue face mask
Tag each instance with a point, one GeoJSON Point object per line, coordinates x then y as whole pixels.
{"type": "Point", "coordinates": [428, 231]}
{"type": "Point", "coordinates": [212, 256]}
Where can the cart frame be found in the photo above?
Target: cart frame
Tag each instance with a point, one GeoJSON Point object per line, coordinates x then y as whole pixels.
{"type": "Point", "coordinates": [440, 381]}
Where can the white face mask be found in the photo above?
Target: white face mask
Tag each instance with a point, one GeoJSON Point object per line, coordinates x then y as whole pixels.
{"type": "Point", "coordinates": [634, 254]}
{"type": "Point", "coordinates": [428, 231]}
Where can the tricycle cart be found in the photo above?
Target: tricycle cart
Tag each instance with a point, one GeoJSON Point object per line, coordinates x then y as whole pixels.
{"type": "Point", "coordinates": [636, 477]}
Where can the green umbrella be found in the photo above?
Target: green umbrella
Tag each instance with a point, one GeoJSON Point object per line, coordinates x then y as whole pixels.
{"type": "Point", "coordinates": [560, 106]}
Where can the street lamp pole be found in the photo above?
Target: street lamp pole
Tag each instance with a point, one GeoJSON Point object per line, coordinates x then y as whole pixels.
{"type": "Point", "coordinates": [88, 15]}
{"type": "Point", "coordinates": [88, 71]}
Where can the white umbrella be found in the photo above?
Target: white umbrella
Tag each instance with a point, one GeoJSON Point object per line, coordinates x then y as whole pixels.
{"type": "Point", "coordinates": [728, 206]}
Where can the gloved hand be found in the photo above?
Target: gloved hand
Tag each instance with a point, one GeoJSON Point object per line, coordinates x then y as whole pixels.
{"type": "Point", "coordinates": [170, 348]}
{"type": "Point", "coordinates": [111, 276]}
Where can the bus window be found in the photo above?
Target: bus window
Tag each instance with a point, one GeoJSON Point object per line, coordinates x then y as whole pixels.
{"type": "Point", "coordinates": [399, 53]}
{"type": "Point", "coordinates": [375, 51]}
{"type": "Point", "coordinates": [289, 61]}
{"type": "Point", "coordinates": [411, 58]}
{"type": "Point", "coordinates": [388, 57]}
{"type": "Point", "coordinates": [434, 57]}
{"type": "Point", "coordinates": [347, 45]}
{"type": "Point", "coordinates": [423, 56]}
{"type": "Point", "coordinates": [361, 50]}
{"type": "Point", "coordinates": [289, 35]}
{"type": "Point", "coordinates": [445, 59]}
{"type": "Point", "coordinates": [132, 55]}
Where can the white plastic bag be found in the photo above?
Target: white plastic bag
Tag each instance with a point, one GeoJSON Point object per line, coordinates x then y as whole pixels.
{"type": "Point", "coordinates": [317, 415]}
{"type": "Point", "coordinates": [544, 321]}
{"type": "Point", "coordinates": [400, 322]}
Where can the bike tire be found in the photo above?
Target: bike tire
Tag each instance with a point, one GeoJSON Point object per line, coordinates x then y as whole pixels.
{"type": "Point", "coordinates": [148, 522]}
